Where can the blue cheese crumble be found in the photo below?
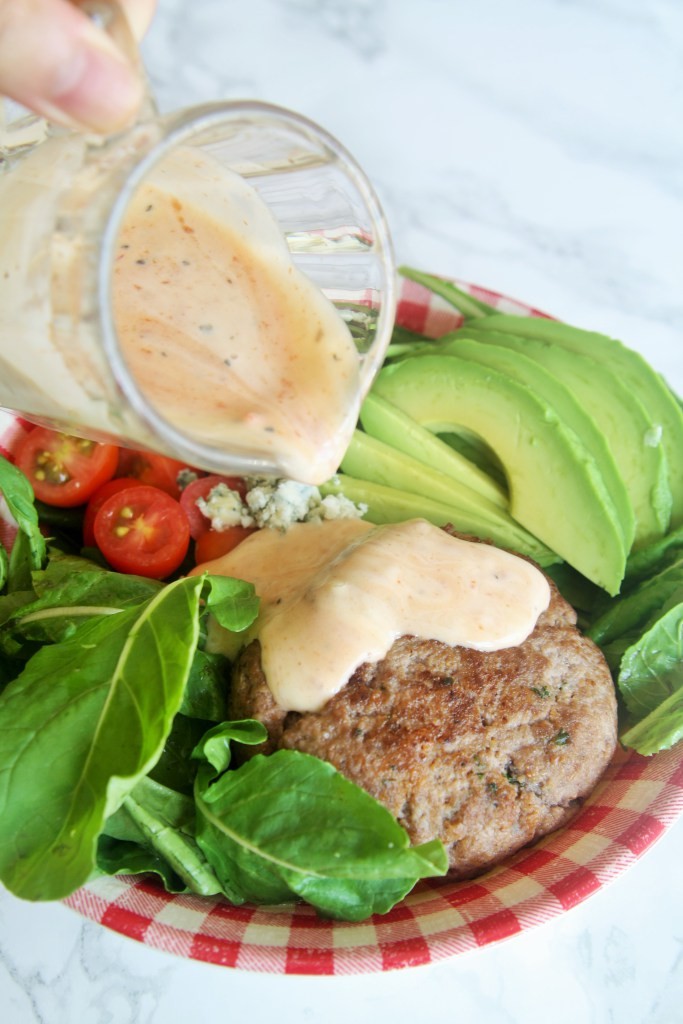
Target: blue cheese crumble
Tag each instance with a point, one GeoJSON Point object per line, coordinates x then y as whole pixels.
{"type": "Point", "coordinates": [275, 504]}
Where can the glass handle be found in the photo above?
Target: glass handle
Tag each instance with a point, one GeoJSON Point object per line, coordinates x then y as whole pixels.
{"type": "Point", "coordinates": [110, 17]}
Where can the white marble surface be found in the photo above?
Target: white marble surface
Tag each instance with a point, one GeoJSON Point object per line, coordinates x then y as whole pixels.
{"type": "Point", "coordinates": [535, 147]}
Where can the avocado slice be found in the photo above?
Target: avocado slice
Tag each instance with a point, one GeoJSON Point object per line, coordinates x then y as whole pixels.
{"type": "Point", "coordinates": [627, 428]}
{"type": "Point", "coordinates": [369, 459]}
{"type": "Point", "coordinates": [391, 505]}
{"type": "Point", "coordinates": [571, 412]}
{"type": "Point", "coordinates": [471, 447]}
{"type": "Point", "coordinates": [388, 423]}
{"type": "Point", "coordinates": [635, 373]}
{"type": "Point", "coordinates": [555, 491]}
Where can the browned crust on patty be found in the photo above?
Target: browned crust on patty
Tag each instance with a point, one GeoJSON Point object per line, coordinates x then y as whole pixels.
{"type": "Point", "coordinates": [486, 751]}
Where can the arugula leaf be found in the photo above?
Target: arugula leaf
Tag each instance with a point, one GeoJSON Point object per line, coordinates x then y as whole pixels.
{"type": "Point", "coordinates": [652, 669]}
{"type": "Point", "coordinates": [175, 768]}
{"type": "Point", "coordinates": [71, 579]}
{"type": "Point", "coordinates": [68, 591]}
{"type": "Point", "coordinates": [81, 725]}
{"type": "Point", "coordinates": [215, 748]}
{"type": "Point", "coordinates": [206, 690]}
{"type": "Point", "coordinates": [233, 603]}
{"type": "Point", "coordinates": [121, 857]}
{"type": "Point", "coordinates": [153, 830]}
{"type": "Point", "coordinates": [4, 566]}
{"type": "Point", "coordinates": [160, 822]}
{"type": "Point", "coordinates": [290, 824]}
{"type": "Point", "coordinates": [653, 559]}
{"type": "Point", "coordinates": [21, 564]}
{"type": "Point", "coordinates": [631, 615]}
{"type": "Point", "coordinates": [18, 495]}
{"type": "Point", "coordinates": [660, 729]}
{"type": "Point", "coordinates": [354, 899]}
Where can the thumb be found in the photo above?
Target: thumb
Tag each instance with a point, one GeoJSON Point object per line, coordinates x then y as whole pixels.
{"type": "Point", "coordinates": [56, 62]}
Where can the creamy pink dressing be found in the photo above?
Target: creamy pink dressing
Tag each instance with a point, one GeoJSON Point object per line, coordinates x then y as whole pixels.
{"type": "Point", "coordinates": [337, 594]}
{"type": "Point", "coordinates": [226, 338]}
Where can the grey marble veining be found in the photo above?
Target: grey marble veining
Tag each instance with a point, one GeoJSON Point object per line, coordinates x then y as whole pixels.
{"type": "Point", "coordinates": [533, 147]}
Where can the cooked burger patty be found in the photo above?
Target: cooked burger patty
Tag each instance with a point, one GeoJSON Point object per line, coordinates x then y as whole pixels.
{"type": "Point", "coordinates": [486, 751]}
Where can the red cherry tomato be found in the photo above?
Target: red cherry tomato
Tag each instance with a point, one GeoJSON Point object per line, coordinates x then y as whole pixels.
{"type": "Point", "coordinates": [142, 530]}
{"type": "Point", "coordinates": [65, 470]}
{"type": "Point", "coordinates": [152, 469]}
{"type": "Point", "coordinates": [216, 543]}
{"type": "Point", "coordinates": [119, 483]}
{"type": "Point", "coordinates": [201, 488]}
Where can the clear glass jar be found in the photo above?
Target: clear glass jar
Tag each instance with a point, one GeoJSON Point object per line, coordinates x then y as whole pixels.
{"type": "Point", "coordinates": [64, 203]}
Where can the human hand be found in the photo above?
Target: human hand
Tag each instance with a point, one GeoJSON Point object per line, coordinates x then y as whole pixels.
{"type": "Point", "coordinates": [56, 62]}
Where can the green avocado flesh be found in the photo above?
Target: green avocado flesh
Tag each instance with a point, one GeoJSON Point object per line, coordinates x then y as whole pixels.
{"type": "Point", "coordinates": [372, 461]}
{"type": "Point", "coordinates": [556, 492]}
{"type": "Point", "coordinates": [574, 416]}
{"type": "Point", "coordinates": [393, 505]}
{"type": "Point", "coordinates": [663, 410]}
{"type": "Point", "coordinates": [384, 421]}
{"type": "Point", "coordinates": [629, 431]}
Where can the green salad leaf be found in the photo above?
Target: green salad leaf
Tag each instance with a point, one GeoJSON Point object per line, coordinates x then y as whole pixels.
{"type": "Point", "coordinates": [654, 558]}
{"type": "Point", "coordinates": [233, 603]}
{"type": "Point", "coordinates": [87, 718]}
{"type": "Point", "coordinates": [659, 730]}
{"type": "Point", "coordinates": [154, 829]}
{"type": "Point", "coordinates": [652, 668]}
{"type": "Point", "coordinates": [206, 689]}
{"type": "Point", "coordinates": [119, 857]}
{"type": "Point", "coordinates": [64, 594]}
{"type": "Point", "coordinates": [631, 614]}
{"type": "Point", "coordinates": [30, 544]}
{"type": "Point", "coordinates": [158, 823]}
{"type": "Point", "coordinates": [176, 768]}
{"type": "Point", "coordinates": [290, 825]}
{"type": "Point", "coordinates": [215, 748]}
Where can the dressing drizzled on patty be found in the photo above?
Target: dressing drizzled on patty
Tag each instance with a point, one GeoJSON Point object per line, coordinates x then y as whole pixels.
{"type": "Point", "coordinates": [337, 594]}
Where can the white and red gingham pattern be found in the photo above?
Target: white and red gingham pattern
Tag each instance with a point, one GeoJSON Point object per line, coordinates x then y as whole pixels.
{"type": "Point", "coordinates": [636, 801]}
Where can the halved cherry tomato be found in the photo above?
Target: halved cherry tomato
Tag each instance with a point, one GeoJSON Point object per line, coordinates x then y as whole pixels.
{"type": "Point", "coordinates": [152, 469]}
{"type": "Point", "coordinates": [216, 543]}
{"type": "Point", "coordinates": [201, 488]}
{"type": "Point", "coordinates": [65, 470]}
{"type": "Point", "coordinates": [119, 483]}
{"type": "Point", "coordinates": [142, 530]}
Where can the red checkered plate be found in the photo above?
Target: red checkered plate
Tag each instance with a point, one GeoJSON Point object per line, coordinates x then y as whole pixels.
{"type": "Point", "coordinates": [635, 802]}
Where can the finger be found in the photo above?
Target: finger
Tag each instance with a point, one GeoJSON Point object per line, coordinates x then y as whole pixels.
{"type": "Point", "coordinates": [55, 61]}
{"type": "Point", "coordinates": [139, 14]}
